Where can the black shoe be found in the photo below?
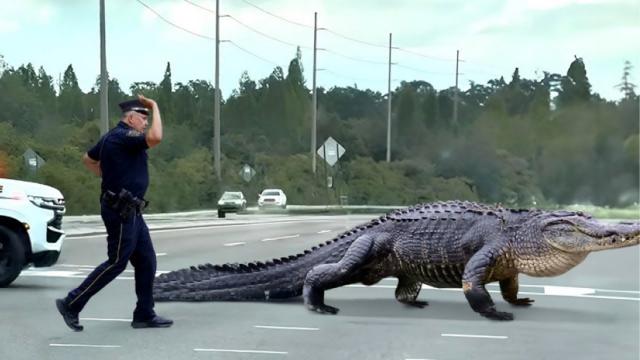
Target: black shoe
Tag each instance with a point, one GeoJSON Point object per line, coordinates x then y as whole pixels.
{"type": "Point", "coordinates": [70, 317]}
{"type": "Point", "coordinates": [155, 322]}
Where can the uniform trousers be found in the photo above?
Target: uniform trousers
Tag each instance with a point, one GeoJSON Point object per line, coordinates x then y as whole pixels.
{"type": "Point", "coordinates": [128, 240]}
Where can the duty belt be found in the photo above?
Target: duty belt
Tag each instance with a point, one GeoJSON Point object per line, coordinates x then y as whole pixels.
{"type": "Point", "coordinates": [124, 202]}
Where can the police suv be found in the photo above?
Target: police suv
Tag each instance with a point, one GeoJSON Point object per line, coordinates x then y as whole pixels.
{"type": "Point", "coordinates": [30, 227]}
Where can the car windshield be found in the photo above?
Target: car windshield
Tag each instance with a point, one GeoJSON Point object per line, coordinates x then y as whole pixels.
{"type": "Point", "coordinates": [271, 193]}
{"type": "Point", "coordinates": [231, 196]}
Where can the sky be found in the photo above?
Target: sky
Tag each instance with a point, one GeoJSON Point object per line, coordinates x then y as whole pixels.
{"type": "Point", "coordinates": [493, 38]}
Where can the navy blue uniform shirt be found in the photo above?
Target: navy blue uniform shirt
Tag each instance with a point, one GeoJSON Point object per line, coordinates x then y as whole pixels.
{"type": "Point", "coordinates": [122, 153]}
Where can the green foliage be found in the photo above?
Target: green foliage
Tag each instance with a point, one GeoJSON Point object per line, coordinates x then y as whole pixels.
{"type": "Point", "coordinates": [510, 145]}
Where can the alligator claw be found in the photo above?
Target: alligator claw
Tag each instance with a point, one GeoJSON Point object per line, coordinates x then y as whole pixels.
{"type": "Point", "coordinates": [497, 315]}
{"type": "Point", "coordinates": [323, 309]}
{"type": "Point", "coordinates": [417, 303]}
{"type": "Point", "coordinates": [522, 302]}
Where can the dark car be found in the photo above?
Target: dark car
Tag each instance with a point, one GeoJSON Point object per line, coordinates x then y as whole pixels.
{"type": "Point", "coordinates": [231, 201]}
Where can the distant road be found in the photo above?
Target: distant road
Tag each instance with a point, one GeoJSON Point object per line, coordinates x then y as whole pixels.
{"type": "Point", "coordinates": [592, 312]}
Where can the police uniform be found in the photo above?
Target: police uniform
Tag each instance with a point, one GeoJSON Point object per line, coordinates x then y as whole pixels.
{"type": "Point", "coordinates": [122, 154]}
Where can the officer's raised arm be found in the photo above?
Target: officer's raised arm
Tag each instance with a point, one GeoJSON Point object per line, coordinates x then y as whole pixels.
{"type": "Point", "coordinates": [154, 135]}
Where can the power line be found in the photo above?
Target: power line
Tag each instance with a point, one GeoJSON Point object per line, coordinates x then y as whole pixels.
{"type": "Point", "coordinates": [355, 58]}
{"type": "Point", "coordinates": [277, 16]}
{"type": "Point", "coordinates": [250, 53]}
{"type": "Point", "coordinates": [173, 24]}
{"type": "Point", "coordinates": [266, 35]}
{"type": "Point", "coordinates": [424, 55]}
{"type": "Point", "coordinates": [352, 39]}
{"type": "Point", "coordinates": [199, 6]}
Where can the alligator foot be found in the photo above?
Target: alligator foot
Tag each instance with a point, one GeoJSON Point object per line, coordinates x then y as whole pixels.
{"type": "Point", "coordinates": [522, 302]}
{"type": "Point", "coordinates": [493, 314]}
{"type": "Point", "coordinates": [416, 303]}
{"type": "Point", "coordinates": [314, 300]}
{"type": "Point", "coordinates": [323, 309]}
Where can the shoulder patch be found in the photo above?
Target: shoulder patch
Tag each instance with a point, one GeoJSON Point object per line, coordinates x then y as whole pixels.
{"type": "Point", "coordinates": [133, 133]}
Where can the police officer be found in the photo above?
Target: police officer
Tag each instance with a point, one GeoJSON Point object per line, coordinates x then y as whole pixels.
{"type": "Point", "coordinates": [120, 158]}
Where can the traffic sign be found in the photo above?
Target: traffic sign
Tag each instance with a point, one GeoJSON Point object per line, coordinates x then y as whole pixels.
{"type": "Point", "coordinates": [331, 151]}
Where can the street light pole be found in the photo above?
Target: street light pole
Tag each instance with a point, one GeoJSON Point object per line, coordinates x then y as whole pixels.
{"type": "Point", "coordinates": [104, 77]}
{"type": "Point", "coordinates": [216, 112]}
{"type": "Point", "coordinates": [314, 101]}
{"type": "Point", "coordinates": [389, 105]}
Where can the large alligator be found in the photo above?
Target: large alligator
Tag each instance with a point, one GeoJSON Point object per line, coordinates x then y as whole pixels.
{"type": "Point", "coordinates": [445, 245]}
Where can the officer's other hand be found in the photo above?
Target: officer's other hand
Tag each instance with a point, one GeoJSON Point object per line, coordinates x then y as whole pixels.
{"type": "Point", "coordinates": [148, 103]}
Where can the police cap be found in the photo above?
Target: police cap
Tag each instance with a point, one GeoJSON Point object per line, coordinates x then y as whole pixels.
{"type": "Point", "coordinates": [133, 105]}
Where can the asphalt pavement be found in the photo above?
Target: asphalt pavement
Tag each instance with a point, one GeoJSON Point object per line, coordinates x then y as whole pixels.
{"type": "Point", "coordinates": [591, 312]}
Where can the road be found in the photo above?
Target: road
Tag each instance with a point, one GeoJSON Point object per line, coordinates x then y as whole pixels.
{"type": "Point", "coordinates": [592, 312]}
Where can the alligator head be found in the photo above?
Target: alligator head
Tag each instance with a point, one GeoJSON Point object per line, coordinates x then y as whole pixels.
{"type": "Point", "coordinates": [576, 232]}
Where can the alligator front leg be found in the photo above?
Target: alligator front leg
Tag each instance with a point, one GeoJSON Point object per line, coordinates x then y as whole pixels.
{"type": "Point", "coordinates": [475, 273]}
{"type": "Point", "coordinates": [328, 276]}
{"type": "Point", "coordinates": [407, 292]}
{"type": "Point", "coordinates": [509, 289]}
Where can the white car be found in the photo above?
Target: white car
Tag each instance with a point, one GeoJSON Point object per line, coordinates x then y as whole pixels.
{"type": "Point", "coordinates": [30, 227]}
{"type": "Point", "coordinates": [231, 201]}
{"type": "Point", "coordinates": [272, 198]}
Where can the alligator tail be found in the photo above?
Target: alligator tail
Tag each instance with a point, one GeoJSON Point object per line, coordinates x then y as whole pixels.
{"type": "Point", "coordinates": [276, 279]}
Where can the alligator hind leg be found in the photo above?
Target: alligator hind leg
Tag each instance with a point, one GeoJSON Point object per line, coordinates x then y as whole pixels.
{"type": "Point", "coordinates": [509, 290]}
{"type": "Point", "coordinates": [327, 276]}
{"type": "Point", "coordinates": [407, 292]}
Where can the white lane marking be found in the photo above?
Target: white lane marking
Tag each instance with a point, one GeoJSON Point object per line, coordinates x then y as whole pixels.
{"type": "Point", "coordinates": [204, 227]}
{"type": "Point", "coordinates": [476, 336]}
{"type": "Point", "coordinates": [235, 244]}
{"type": "Point", "coordinates": [50, 273]}
{"type": "Point", "coordinates": [566, 293]}
{"type": "Point", "coordinates": [103, 319]}
{"type": "Point", "coordinates": [281, 237]}
{"type": "Point", "coordinates": [618, 291]}
{"type": "Point", "coordinates": [285, 328]}
{"type": "Point", "coordinates": [548, 289]}
{"type": "Point", "coordinates": [323, 231]}
{"type": "Point", "coordinates": [84, 345]}
{"type": "Point", "coordinates": [72, 265]}
{"type": "Point", "coordinates": [161, 254]}
{"type": "Point", "coordinates": [244, 351]}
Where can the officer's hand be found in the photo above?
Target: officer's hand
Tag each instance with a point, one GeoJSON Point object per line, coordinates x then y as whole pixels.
{"type": "Point", "coordinates": [148, 103]}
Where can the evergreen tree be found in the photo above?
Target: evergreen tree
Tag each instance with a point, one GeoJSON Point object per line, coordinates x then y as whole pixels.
{"type": "Point", "coordinates": [626, 86]}
{"type": "Point", "coordinates": [70, 103]}
{"type": "Point", "coordinates": [575, 86]}
{"type": "Point", "coordinates": [165, 91]}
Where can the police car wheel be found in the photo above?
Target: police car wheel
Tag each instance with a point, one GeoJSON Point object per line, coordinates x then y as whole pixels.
{"type": "Point", "coordinates": [221, 214]}
{"type": "Point", "coordinates": [12, 256]}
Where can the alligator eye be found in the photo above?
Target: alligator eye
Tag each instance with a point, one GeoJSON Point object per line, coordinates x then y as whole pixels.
{"type": "Point", "coordinates": [613, 241]}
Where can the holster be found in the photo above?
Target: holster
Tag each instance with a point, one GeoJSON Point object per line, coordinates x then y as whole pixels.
{"type": "Point", "coordinates": [124, 203]}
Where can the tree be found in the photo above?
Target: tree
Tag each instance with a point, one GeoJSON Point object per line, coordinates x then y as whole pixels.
{"type": "Point", "coordinates": [19, 104]}
{"type": "Point", "coordinates": [626, 87]}
{"type": "Point", "coordinates": [165, 90]}
{"type": "Point", "coordinates": [70, 103]}
{"type": "Point", "coordinates": [575, 86]}
{"type": "Point", "coordinates": [45, 90]}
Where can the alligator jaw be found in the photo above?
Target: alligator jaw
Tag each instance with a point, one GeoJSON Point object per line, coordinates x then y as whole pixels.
{"type": "Point", "coordinates": [592, 235]}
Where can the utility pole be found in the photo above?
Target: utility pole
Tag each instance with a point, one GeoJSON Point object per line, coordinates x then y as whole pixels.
{"type": "Point", "coordinates": [314, 97]}
{"type": "Point", "coordinates": [216, 111]}
{"type": "Point", "coordinates": [455, 94]}
{"type": "Point", "coordinates": [104, 77]}
{"type": "Point", "coordinates": [389, 106]}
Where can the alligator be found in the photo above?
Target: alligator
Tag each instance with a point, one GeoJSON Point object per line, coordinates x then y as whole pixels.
{"type": "Point", "coordinates": [453, 244]}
